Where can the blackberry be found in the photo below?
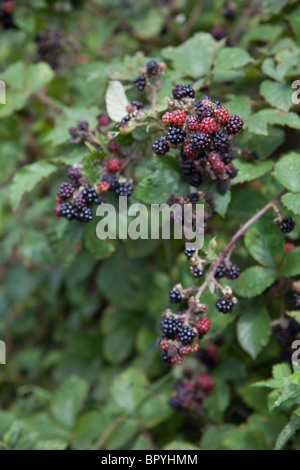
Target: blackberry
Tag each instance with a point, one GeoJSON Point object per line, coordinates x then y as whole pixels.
{"type": "Point", "coordinates": [73, 173]}
{"type": "Point", "coordinates": [188, 166]}
{"type": "Point", "coordinates": [89, 195]}
{"type": "Point", "coordinates": [294, 326]}
{"type": "Point", "coordinates": [175, 296]}
{"type": "Point", "coordinates": [182, 91]}
{"type": "Point", "coordinates": [194, 179]}
{"type": "Point", "coordinates": [170, 327]}
{"type": "Point", "coordinates": [140, 82]}
{"type": "Point", "coordinates": [79, 202]}
{"type": "Point", "coordinates": [137, 104]}
{"type": "Point", "coordinates": [222, 186]}
{"type": "Point", "coordinates": [84, 214]}
{"type": "Point", "coordinates": [165, 357]}
{"type": "Point", "coordinates": [235, 124]}
{"type": "Point", "coordinates": [123, 189]}
{"type": "Point", "coordinates": [233, 272]}
{"type": "Point", "coordinates": [205, 111]}
{"type": "Point", "coordinates": [231, 171]}
{"type": "Point", "coordinates": [196, 272]}
{"type": "Point", "coordinates": [83, 126]}
{"type": "Point", "coordinates": [202, 355]}
{"type": "Point", "coordinates": [186, 335]}
{"type": "Point", "coordinates": [220, 271]}
{"type": "Point", "coordinates": [125, 119]}
{"type": "Point", "coordinates": [227, 157]}
{"type": "Point", "coordinates": [176, 403]}
{"type": "Point", "coordinates": [296, 300]}
{"type": "Point", "coordinates": [223, 305]}
{"type": "Point", "coordinates": [189, 252]}
{"type": "Point", "coordinates": [189, 91]}
{"type": "Point", "coordinates": [175, 135]}
{"type": "Point", "coordinates": [152, 68]}
{"type": "Point", "coordinates": [65, 190]}
{"type": "Point", "coordinates": [194, 198]}
{"type": "Point", "coordinates": [111, 179]}
{"type": "Point", "coordinates": [200, 141]}
{"type": "Point", "coordinates": [160, 146]}
{"type": "Point", "coordinates": [287, 225]}
{"type": "Point", "coordinates": [221, 141]}
{"type": "Point", "coordinates": [68, 211]}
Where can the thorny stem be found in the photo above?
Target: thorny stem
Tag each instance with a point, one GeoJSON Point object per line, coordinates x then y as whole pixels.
{"type": "Point", "coordinates": [236, 236]}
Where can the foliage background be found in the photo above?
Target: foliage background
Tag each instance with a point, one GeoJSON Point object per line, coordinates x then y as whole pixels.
{"type": "Point", "coordinates": [80, 321]}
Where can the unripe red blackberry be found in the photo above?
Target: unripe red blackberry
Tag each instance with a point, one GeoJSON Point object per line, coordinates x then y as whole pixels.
{"type": "Point", "coordinates": [103, 186]}
{"type": "Point", "coordinates": [114, 147]}
{"type": "Point", "coordinates": [203, 325]}
{"type": "Point", "coordinates": [160, 146]}
{"type": "Point", "coordinates": [222, 115]}
{"type": "Point", "coordinates": [205, 382]}
{"type": "Point", "coordinates": [216, 163]}
{"type": "Point", "coordinates": [234, 124]}
{"type": "Point", "coordinates": [233, 272]}
{"type": "Point", "coordinates": [184, 350]}
{"type": "Point", "coordinates": [208, 125]}
{"type": "Point", "coordinates": [114, 165]}
{"type": "Point", "coordinates": [65, 190]}
{"type": "Point", "coordinates": [164, 344]}
{"type": "Point", "coordinates": [178, 117]}
{"type": "Point", "coordinates": [177, 359]}
{"type": "Point", "coordinates": [57, 210]}
{"type": "Point", "coordinates": [103, 120]}
{"type": "Point", "coordinates": [8, 7]}
{"type": "Point", "coordinates": [193, 123]}
{"type": "Point", "coordinates": [212, 351]}
{"type": "Point", "coordinates": [167, 118]}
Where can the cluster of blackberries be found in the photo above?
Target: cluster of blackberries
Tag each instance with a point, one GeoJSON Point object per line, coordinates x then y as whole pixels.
{"type": "Point", "coordinates": [152, 69]}
{"type": "Point", "coordinates": [195, 267]}
{"type": "Point", "coordinates": [76, 198]}
{"type": "Point", "coordinates": [203, 130]}
{"type": "Point", "coordinates": [231, 273]}
{"type": "Point", "coordinates": [6, 14]}
{"type": "Point", "coordinates": [52, 46]}
{"type": "Point", "coordinates": [287, 225]}
{"type": "Point", "coordinates": [189, 393]}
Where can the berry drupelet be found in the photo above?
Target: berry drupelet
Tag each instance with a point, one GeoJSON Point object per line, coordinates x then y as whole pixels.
{"type": "Point", "coordinates": [175, 296]}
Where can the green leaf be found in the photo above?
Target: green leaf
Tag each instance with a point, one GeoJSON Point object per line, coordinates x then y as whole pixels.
{"type": "Point", "coordinates": [123, 335]}
{"type": "Point", "coordinates": [38, 75]}
{"type": "Point", "coordinates": [253, 331]}
{"type": "Point", "coordinates": [287, 432]}
{"type": "Point", "coordinates": [271, 7]}
{"type": "Point", "coordinates": [240, 105]}
{"type": "Point", "coordinates": [264, 242]}
{"type": "Point", "coordinates": [67, 401]}
{"type": "Point", "coordinates": [100, 249]}
{"type": "Point", "coordinates": [250, 171]}
{"type": "Point", "coordinates": [228, 60]}
{"type": "Point", "coordinates": [291, 263]}
{"type": "Point", "coordinates": [27, 179]}
{"type": "Point", "coordinates": [194, 57]}
{"type": "Point", "coordinates": [253, 281]}
{"type": "Point", "coordinates": [128, 390]}
{"type": "Point", "coordinates": [218, 401]}
{"type": "Point", "coordinates": [287, 171]}
{"type": "Point", "coordinates": [155, 410]}
{"type": "Point", "coordinates": [292, 202]}
{"type": "Point", "coordinates": [277, 94]}
{"type": "Point", "coordinates": [180, 445]}
{"type": "Point", "coordinates": [291, 391]}
{"type": "Point", "coordinates": [258, 122]}
{"type": "Point", "coordinates": [213, 437]}
{"type": "Point", "coordinates": [116, 101]}
{"type": "Point", "coordinates": [89, 427]}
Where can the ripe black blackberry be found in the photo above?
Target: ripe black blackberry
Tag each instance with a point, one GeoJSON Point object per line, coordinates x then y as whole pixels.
{"type": "Point", "coordinates": [222, 186]}
{"type": "Point", "coordinates": [165, 357]}
{"type": "Point", "coordinates": [284, 338]}
{"type": "Point", "coordinates": [68, 211]}
{"type": "Point", "coordinates": [125, 119]}
{"type": "Point", "coordinates": [65, 190]}
{"type": "Point", "coordinates": [186, 335]}
{"type": "Point", "coordinates": [73, 173]}
{"type": "Point", "coordinates": [83, 126]}
{"type": "Point", "coordinates": [200, 141]}
{"type": "Point", "coordinates": [123, 189]}
{"type": "Point", "coordinates": [189, 252]}
{"type": "Point", "coordinates": [176, 403]}
{"type": "Point", "coordinates": [294, 326]}
{"type": "Point", "coordinates": [152, 68]}
{"type": "Point", "coordinates": [189, 91]}
{"type": "Point", "coordinates": [175, 296]}
{"type": "Point", "coordinates": [221, 141]}
{"type": "Point", "coordinates": [84, 214]}
{"type": "Point", "coordinates": [89, 195]}
{"type": "Point", "coordinates": [175, 135]}
{"type": "Point", "coordinates": [220, 271]}
{"type": "Point", "coordinates": [196, 272]}
{"type": "Point", "coordinates": [137, 104]}
{"type": "Point", "coordinates": [234, 124]}
{"type": "Point", "coordinates": [194, 198]}
{"type": "Point", "coordinates": [202, 355]}
{"type": "Point", "coordinates": [287, 225]}
{"type": "Point", "coordinates": [188, 166]}
{"type": "Point", "coordinates": [170, 326]}
{"type": "Point", "coordinates": [231, 171]}
{"type": "Point", "coordinates": [182, 91]}
{"type": "Point", "coordinates": [296, 296]}
{"type": "Point", "coordinates": [227, 157]}
{"type": "Point", "coordinates": [224, 306]}
{"type": "Point", "coordinates": [160, 146]}
{"type": "Point", "coordinates": [195, 179]}
{"type": "Point", "coordinates": [79, 202]}
{"type": "Point", "coordinates": [111, 179]}
{"type": "Point", "coordinates": [205, 111]}
{"type": "Point", "coordinates": [140, 82]}
{"type": "Point", "coordinates": [233, 272]}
